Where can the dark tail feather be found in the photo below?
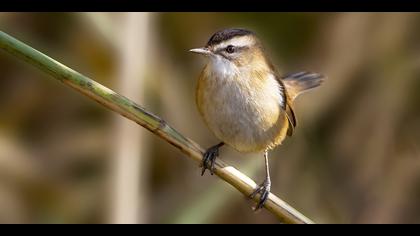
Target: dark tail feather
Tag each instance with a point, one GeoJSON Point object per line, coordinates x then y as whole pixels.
{"type": "Point", "coordinates": [297, 83]}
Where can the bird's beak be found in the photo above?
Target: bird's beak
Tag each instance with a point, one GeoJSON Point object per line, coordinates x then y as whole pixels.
{"type": "Point", "coordinates": [202, 51]}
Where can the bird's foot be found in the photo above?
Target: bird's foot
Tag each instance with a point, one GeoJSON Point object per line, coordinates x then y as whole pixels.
{"type": "Point", "coordinates": [209, 158]}
{"type": "Point", "coordinates": [264, 191]}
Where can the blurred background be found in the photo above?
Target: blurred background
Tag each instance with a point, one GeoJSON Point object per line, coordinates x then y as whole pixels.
{"type": "Point", "coordinates": [354, 158]}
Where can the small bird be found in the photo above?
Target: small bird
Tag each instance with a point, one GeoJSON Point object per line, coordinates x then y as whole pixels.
{"type": "Point", "coordinates": [243, 99]}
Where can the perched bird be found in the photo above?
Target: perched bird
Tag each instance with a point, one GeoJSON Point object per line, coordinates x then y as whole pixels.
{"type": "Point", "coordinates": [243, 99]}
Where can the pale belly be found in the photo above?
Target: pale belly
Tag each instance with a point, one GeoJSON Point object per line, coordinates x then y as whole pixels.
{"type": "Point", "coordinates": [249, 120]}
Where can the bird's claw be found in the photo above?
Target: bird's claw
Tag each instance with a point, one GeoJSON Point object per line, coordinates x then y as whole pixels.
{"type": "Point", "coordinates": [264, 191]}
{"type": "Point", "coordinates": [209, 159]}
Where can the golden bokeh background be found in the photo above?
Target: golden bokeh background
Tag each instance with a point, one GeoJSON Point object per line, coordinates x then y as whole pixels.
{"type": "Point", "coordinates": [354, 157]}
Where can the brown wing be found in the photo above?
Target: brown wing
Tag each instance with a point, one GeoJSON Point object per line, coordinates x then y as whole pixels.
{"type": "Point", "coordinates": [290, 114]}
{"type": "Point", "coordinates": [296, 84]}
{"type": "Point", "coordinates": [287, 107]}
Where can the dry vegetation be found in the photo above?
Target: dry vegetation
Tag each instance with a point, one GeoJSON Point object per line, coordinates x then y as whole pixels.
{"type": "Point", "coordinates": [355, 157]}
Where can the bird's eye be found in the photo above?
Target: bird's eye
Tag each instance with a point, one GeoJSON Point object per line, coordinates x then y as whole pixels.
{"type": "Point", "coordinates": [230, 49]}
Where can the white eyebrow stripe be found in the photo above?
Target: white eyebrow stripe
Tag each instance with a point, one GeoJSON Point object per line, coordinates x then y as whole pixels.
{"type": "Point", "coordinates": [241, 41]}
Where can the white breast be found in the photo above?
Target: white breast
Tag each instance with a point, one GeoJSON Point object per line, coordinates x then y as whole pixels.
{"type": "Point", "coordinates": [244, 114]}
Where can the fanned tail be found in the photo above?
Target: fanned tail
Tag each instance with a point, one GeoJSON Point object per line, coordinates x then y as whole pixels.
{"type": "Point", "coordinates": [297, 83]}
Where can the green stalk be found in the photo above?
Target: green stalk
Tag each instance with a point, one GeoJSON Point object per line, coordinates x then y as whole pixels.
{"type": "Point", "coordinates": [148, 120]}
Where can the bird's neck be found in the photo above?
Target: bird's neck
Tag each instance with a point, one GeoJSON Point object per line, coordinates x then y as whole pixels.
{"type": "Point", "coordinates": [226, 70]}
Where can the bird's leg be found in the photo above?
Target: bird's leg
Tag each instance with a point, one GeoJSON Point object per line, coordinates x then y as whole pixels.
{"type": "Point", "coordinates": [209, 158]}
{"type": "Point", "coordinates": [264, 188]}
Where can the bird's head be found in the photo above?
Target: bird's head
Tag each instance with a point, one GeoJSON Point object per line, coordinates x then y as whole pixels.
{"type": "Point", "coordinates": [234, 49]}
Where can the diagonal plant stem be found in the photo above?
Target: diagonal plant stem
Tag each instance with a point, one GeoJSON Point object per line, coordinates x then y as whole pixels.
{"type": "Point", "coordinates": [148, 120]}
